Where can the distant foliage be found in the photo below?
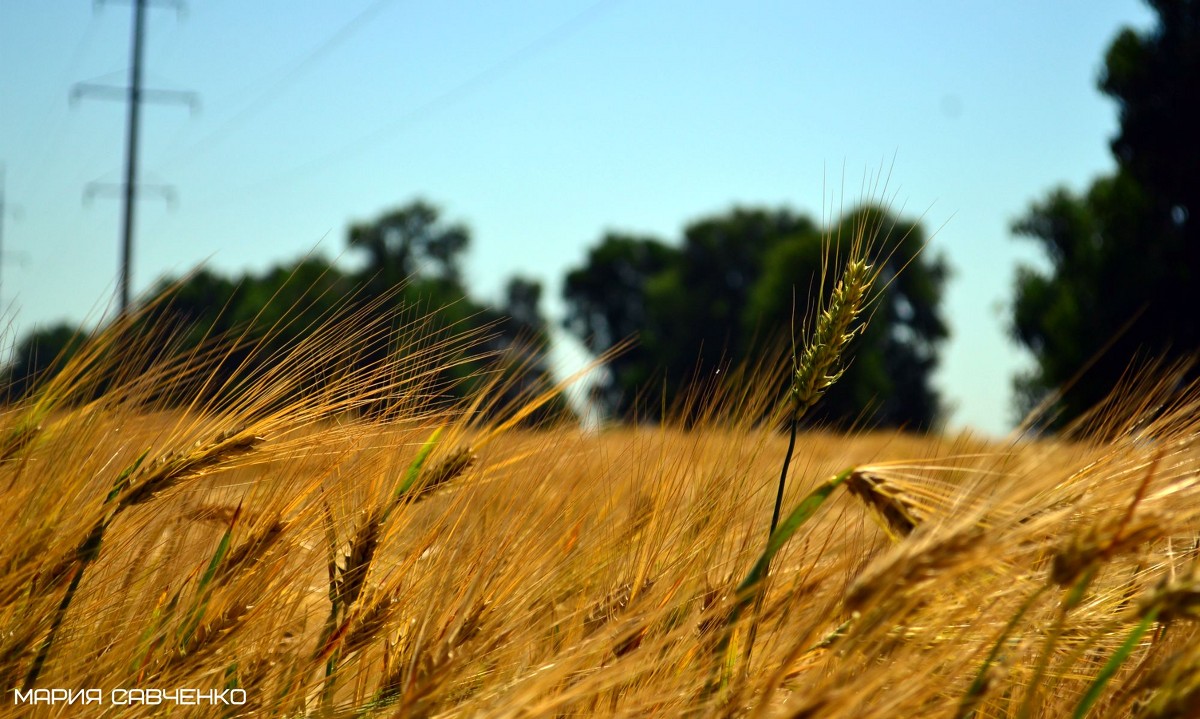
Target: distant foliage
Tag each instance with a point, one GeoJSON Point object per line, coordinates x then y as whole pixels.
{"type": "Point", "coordinates": [733, 290]}
{"type": "Point", "coordinates": [41, 352]}
{"type": "Point", "coordinates": [411, 279]}
{"type": "Point", "coordinates": [1125, 254]}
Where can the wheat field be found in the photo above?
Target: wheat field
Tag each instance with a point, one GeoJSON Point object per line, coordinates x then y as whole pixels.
{"type": "Point", "coordinates": [349, 544]}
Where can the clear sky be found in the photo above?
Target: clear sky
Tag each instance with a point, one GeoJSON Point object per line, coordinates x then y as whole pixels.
{"type": "Point", "coordinates": [541, 125]}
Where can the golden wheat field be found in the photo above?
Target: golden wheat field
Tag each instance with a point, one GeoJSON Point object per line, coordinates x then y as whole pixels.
{"type": "Point", "coordinates": [290, 549]}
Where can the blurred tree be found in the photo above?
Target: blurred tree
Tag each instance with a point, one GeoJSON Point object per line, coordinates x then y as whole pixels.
{"type": "Point", "coordinates": [888, 379]}
{"type": "Point", "coordinates": [726, 297]}
{"type": "Point", "coordinates": [1125, 255]}
{"type": "Point", "coordinates": [412, 279]}
{"type": "Point", "coordinates": [257, 318]}
{"type": "Point", "coordinates": [522, 306]}
{"type": "Point", "coordinates": [414, 262]}
{"type": "Point", "coordinates": [38, 355]}
{"type": "Point", "coordinates": [414, 270]}
{"type": "Point", "coordinates": [520, 343]}
{"type": "Point", "coordinates": [607, 302]}
{"type": "Point", "coordinates": [704, 296]}
{"type": "Point", "coordinates": [412, 240]}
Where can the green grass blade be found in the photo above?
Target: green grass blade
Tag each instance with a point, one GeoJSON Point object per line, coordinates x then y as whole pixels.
{"type": "Point", "coordinates": [801, 514]}
{"type": "Point", "coordinates": [979, 685]}
{"type": "Point", "coordinates": [123, 479]}
{"type": "Point", "coordinates": [1074, 597]}
{"type": "Point", "coordinates": [43, 652]}
{"type": "Point", "coordinates": [414, 469]}
{"type": "Point", "coordinates": [85, 554]}
{"type": "Point", "coordinates": [1114, 663]}
{"type": "Point", "coordinates": [158, 619]}
{"type": "Point", "coordinates": [202, 589]}
{"type": "Point", "coordinates": [219, 555]}
{"type": "Point", "coordinates": [1079, 590]}
{"type": "Point", "coordinates": [335, 590]}
{"type": "Point", "coordinates": [748, 589]}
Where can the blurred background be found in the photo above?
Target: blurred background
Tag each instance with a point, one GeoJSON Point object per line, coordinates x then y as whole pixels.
{"type": "Point", "coordinates": [591, 169]}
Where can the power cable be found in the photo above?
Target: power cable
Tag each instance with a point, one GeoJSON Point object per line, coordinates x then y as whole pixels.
{"type": "Point", "coordinates": [476, 82]}
{"type": "Point", "coordinates": [297, 70]}
{"type": "Point", "coordinates": [52, 140]}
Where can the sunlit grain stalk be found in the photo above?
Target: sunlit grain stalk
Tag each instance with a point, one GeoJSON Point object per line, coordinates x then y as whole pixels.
{"type": "Point", "coordinates": [912, 564]}
{"type": "Point", "coordinates": [245, 554]}
{"type": "Point", "coordinates": [175, 467]}
{"type": "Point", "coordinates": [347, 578]}
{"type": "Point", "coordinates": [818, 367]}
{"type": "Point", "coordinates": [368, 624]}
{"type": "Point", "coordinates": [821, 364]}
{"type": "Point", "coordinates": [17, 438]}
{"type": "Point", "coordinates": [207, 636]}
{"type": "Point", "coordinates": [414, 680]}
{"type": "Point", "coordinates": [898, 514]}
{"type": "Point", "coordinates": [750, 590]}
{"type": "Point", "coordinates": [1169, 602]}
{"type": "Point", "coordinates": [1173, 688]}
{"type": "Point", "coordinates": [87, 552]}
{"type": "Point", "coordinates": [983, 678]}
{"type": "Point", "coordinates": [444, 472]}
{"type": "Point", "coordinates": [1076, 567]}
{"type": "Point", "coordinates": [137, 485]}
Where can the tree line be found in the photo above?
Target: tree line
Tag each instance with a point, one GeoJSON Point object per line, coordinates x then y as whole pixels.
{"type": "Point", "coordinates": [728, 290]}
{"type": "Point", "coordinates": [408, 297]}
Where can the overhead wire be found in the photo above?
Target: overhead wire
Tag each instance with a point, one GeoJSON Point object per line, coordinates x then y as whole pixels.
{"type": "Point", "coordinates": [296, 70]}
{"type": "Point", "coordinates": [51, 140]}
{"type": "Point", "coordinates": [472, 84]}
{"type": "Point", "coordinates": [476, 82]}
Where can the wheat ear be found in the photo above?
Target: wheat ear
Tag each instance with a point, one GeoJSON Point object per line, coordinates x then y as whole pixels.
{"type": "Point", "coordinates": [820, 365]}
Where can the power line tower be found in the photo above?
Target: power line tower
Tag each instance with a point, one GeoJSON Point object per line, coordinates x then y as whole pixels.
{"type": "Point", "coordinates": [133, 95]}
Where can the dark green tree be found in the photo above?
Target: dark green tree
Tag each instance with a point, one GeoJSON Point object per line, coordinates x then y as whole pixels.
{"type": "Point", "coordinates": [1124, 255]}
{"type": "Point", "coordinates": [523, 307]}
{"type": "Point", "coordinates": [704, 326]}
{"type": "Point", "coordinates": [38, 355]}
{"type": "Point", "coordinates": [413, 274]}
{"type": "Point", "coordinates": [410, 240]}
{"type": "Point", "coordinates": [607, 302]}
{"type": "Point", "coordinates": [411, 279]}
{"type": "Point", "coordinates": [725, 296]}
{"type": "Point", "coordinates": [414, 260]}
{"type": "Point", "coordinates": [888, 379]}
{"type": "Point", "coordinates": [684, 304]}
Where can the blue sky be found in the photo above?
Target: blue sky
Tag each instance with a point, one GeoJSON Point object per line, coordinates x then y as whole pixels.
{"type": "Point", "coordinates": [543, 124]}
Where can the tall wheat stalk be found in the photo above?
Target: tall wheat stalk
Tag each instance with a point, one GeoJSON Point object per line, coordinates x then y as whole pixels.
{"type": "Point", "coordinates": [822, 361]}
{"type": "Point", "coordinates": [817, 367]}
